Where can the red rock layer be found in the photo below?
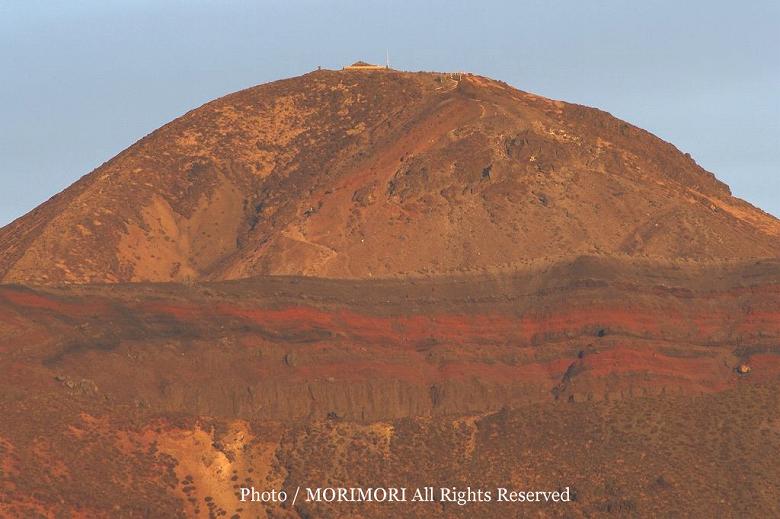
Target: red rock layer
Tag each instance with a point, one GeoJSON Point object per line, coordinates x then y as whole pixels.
{"type": "Point", "coordinates": [295, 348]}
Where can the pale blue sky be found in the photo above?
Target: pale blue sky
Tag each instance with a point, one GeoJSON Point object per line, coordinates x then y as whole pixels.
{"type": "Point", "coordinates": [82, 80]}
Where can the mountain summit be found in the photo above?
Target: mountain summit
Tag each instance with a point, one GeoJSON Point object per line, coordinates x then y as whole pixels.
{"type": "Point", "coordinates": [356, 174]}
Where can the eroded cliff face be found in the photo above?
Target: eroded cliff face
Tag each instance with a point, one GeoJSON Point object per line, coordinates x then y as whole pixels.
{"type": "Point", "coordinates": [296, 348]}
{"type": "Point", "coordinates": [391, 174]}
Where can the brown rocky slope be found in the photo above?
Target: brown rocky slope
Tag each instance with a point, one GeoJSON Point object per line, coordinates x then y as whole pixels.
{"type": "Point", "coordinates": [355, 174]}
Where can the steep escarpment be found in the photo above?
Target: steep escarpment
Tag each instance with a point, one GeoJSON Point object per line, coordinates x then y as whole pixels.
{"type": "Point", "coordinates": [356, 174]}
{"type": "Point", "coordinates": [297, 348]}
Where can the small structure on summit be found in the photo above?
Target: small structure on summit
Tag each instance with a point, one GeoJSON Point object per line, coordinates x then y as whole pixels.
{"type": "Point", "coordinates": [743, 369]}
{"type": "Point", "coordinates": [362, 65]}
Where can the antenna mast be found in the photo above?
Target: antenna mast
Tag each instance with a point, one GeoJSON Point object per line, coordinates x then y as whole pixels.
{"type": "Point", "coordinates": [387, 58]}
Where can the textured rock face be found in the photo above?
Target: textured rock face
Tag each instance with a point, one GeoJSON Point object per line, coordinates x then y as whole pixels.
{"type": "Point", "coordinates": [389, 174]}
{"type": "Point", "coordinates": [296, 348]}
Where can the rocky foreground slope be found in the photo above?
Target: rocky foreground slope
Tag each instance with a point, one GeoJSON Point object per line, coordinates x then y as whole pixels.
{"type": "Point", "coordinates": [373, 279]}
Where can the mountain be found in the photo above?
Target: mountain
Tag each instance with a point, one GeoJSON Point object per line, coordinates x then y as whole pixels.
{"type": "Point", "coordinates": [369, 278]}
{"type": "Point", "coordinates": [358, 174]}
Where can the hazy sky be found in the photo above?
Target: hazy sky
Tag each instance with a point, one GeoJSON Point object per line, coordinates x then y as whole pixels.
{"type": "Point", "coordinates": [82, 80]}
